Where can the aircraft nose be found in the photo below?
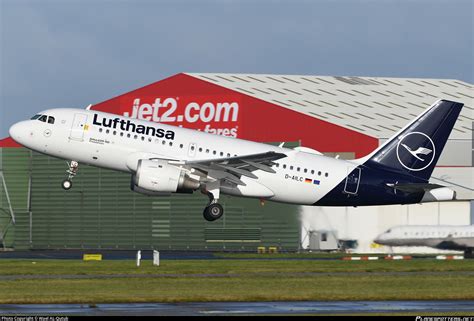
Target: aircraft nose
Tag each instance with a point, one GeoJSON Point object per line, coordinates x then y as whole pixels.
{"type": "Point", "coordinates": [19, 131]}
{"type": "Point", "coordinates": [379, 239]}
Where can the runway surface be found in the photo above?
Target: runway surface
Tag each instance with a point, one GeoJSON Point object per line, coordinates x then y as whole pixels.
{"type": "Point", "coordinates": [107, 255]}
{"type": "Point", "coordinates": [241, 308]}
{"type": "Point", "coordinates": [223, 275]}
{"type": "Point", "coordinates": [69, 254]}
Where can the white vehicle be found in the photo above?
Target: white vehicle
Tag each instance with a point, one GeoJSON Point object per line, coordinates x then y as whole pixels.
{"type": "Point", "coordinates": [443, 237]}
{"type": "Point", "coordinates": [164, 159]}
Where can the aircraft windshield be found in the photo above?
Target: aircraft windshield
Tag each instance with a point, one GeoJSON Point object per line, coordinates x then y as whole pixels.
{"type": "Point", "coordinates": [44, 118]}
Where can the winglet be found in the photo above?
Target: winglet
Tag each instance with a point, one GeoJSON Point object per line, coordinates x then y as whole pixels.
{"type": "Point", "coordinates": [89, 107]}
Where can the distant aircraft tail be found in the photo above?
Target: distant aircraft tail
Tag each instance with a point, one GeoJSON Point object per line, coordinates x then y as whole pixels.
{"type": "Point", "coordinates": [416, 148]}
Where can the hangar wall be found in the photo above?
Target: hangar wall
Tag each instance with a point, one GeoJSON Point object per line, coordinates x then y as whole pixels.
{"type": "Point", "coordinates": [102, 212]}
{"type": "Point", "coordinates": [364, 224]}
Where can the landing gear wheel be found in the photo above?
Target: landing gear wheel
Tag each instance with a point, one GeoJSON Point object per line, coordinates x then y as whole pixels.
{"type": "Point", "coordinates": [213, 212]}
{"type": "Point", "coordinates": [71, 172]}
{"type": "Point", "coordinates": [66, 184]}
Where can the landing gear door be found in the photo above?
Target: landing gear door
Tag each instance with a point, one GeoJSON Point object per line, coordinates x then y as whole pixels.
{"type": "Point", "coordinates": [352, 181]}
{"type": "Point", "coordinates": [78, 127]}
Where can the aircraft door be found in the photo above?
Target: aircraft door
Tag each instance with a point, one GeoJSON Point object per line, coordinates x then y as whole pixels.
{"type": "Point", "coordinates": [352, 181]}
{"type": "Point", "coordinates": [78, 127]}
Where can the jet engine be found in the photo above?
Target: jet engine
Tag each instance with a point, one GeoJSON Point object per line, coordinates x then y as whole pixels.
{"type": "Point", "coordinates": [157, 177]}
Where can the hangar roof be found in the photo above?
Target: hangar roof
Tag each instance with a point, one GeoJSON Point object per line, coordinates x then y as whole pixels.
{"type": "Point", "coordinates": [370, 105]}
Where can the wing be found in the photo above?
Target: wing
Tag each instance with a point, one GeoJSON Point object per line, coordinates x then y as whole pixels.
{"type": "Point", "coordinates": [230, 169]}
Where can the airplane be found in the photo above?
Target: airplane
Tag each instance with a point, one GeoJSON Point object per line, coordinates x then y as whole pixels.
{"type": "Point", "coordinates": [444, 237]}
{"type": "Point", "coordinates": [165, 159]}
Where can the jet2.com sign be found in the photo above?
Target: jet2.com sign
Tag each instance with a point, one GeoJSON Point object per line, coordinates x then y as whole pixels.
{"type": "Point", "coordinates": [216, 115]}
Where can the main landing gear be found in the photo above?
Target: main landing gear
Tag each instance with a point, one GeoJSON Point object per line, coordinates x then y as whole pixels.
{"type": "Point", "coordinates": [213, 210]}
{"type": "Point", "coordinates": [72, 171]}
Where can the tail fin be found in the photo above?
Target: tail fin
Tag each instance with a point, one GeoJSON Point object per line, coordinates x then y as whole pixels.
{"type": "Point", "coordinates": [416, 148]}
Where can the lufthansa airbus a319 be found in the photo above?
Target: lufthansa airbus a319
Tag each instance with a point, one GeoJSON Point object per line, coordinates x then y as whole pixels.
{"type": "Point", "coordinates": [164, 159]}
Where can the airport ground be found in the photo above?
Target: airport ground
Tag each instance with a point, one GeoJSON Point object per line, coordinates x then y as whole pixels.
{"type": "Point", "coordinates": [232, 278]}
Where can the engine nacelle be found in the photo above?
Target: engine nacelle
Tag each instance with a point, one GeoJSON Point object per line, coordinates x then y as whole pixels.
{"type": "Point", "coordinates": [158, 178]}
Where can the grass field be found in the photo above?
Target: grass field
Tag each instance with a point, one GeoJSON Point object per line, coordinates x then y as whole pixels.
{"type": "Point", "coordinates": [234, 280]}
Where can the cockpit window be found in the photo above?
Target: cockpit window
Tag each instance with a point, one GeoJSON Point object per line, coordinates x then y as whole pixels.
{"type": "Point", "coordinates": [51, 120]}
{"type": "Point", "coordinates": [43, 118]}
{"type": "Point", "coordinates": [388, 231]}
{"type": "Point", "coordinates": [36, 116]}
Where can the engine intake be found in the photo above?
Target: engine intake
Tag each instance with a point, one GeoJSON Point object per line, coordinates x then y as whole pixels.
{"type": "Point", "coordinates": [158, 177]}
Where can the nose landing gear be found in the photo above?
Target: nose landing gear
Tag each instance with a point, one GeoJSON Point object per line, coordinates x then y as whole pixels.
{"type": "Point", "coordinates": [72, 171]}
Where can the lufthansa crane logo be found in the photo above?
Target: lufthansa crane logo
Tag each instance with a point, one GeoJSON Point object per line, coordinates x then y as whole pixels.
{"type": "Point", "coordinates": [416, 151]}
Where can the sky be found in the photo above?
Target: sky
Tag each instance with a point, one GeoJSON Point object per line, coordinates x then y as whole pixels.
{"type": "Point", "coordinates": [72, 53]}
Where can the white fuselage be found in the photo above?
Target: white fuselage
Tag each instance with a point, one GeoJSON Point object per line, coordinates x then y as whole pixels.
{"type": "Point", "coordinates": [77, 135]}
{"type": "Point", "coordinates": [436, 236]}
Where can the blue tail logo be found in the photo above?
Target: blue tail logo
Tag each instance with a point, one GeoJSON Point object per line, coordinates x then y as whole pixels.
{"type": "Point", "coordinates": [415, 149]}
{"type": "Point", "coordinates": [413, 158]}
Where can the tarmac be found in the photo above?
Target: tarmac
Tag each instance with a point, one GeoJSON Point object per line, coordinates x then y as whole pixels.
{"type": "Point", "coordinates": [69, 254]}
{"type": "Point", "coordinates": [76, 254]}
{"type": "Point", "coordinates": [241, 308]}
{"type": "Point", "coordinates": [222, 275]}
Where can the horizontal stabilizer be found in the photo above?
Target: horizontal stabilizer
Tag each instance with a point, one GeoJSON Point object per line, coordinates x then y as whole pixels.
{"type": "Point", "coordinates": [415, 187]}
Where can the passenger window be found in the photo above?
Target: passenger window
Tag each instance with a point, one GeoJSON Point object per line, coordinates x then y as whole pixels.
{"type": "Point", "coordinates": [319, 173]}
{"type": "Point", "coordinates": [228, 155]}
{"type": "Point", "coordinates": [43, 118]}
{"type": "Point", "coordinates": [107, 131]}
{"type": "Point", "coordinates": [121, 134]}
{"type": "Point", "coordinates": [214, 152]}
{"type": "Point", "coordinates": [326, 174]}
{"type": "Point", "coordinates": [100, 130]}
{"type": "Point", "coordinates": [171, 143]}
{"type": "Point", "coordinates": [163, 142]}
{"type": "Point", "coordinates": [200, 149]}
{"type": "Point", "coordinates": [222, 154]}
{"type": "Point", "coordinates": [207, 151]}
{"type": "Point", "coordinates": [115, 132]}
{"type": "Point", "coordinates": [149, 139]}
{"type": "Point", "coordinates": [298, 169]}
{"type": "Point", "coordinates": [291, 167]}
{"type": "Point", "coordinates": [305, 170]}
{"type": "Point", "coordinates": [192, 147]}
{"type": "Point", "coordinates": [50, 120]}
{"type": "Point", "coordinates": [143, 138]}
{"type": "Point", "coordinates": [180, 145]}
{"type": "Point", "coordinates": [312, 171]}
{"type": "Point", "coordinates": [135, 136]}
{"type": "Point", "coordinates": [128, 135]}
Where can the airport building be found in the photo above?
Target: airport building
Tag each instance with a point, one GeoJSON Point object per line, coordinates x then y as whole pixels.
{"type": "Point", "coordinates": [345, 117]}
